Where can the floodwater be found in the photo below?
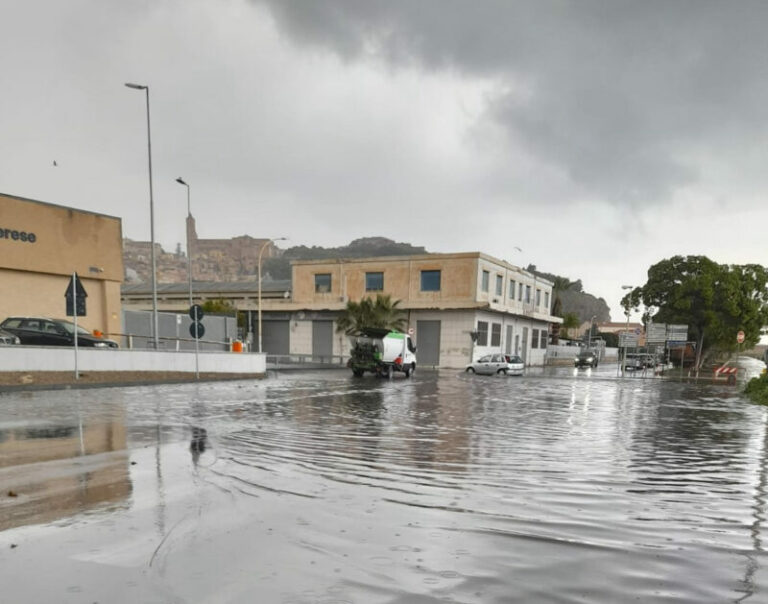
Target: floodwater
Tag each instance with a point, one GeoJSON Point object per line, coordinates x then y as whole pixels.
{"type": "Point", "coordinates": [320, 488]}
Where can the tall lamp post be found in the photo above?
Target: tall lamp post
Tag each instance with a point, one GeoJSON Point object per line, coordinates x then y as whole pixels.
{"type": "Point", "coordinates": [155, 334]}
{"type": "Point", "coordinates": [261, 251]}
{"type": "Point", "coordinates": [589, 335]}
{"type": "Point", "coordinates": [189, 249]}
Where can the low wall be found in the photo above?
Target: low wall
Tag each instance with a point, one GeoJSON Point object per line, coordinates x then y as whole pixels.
{"type": "Point", "coordinates": [38, 358]}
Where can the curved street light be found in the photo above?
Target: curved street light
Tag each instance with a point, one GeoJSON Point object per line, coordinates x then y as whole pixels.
{"type": "Point", "coordinates": [189, 250]}
{"type": "Point", "coordinates": [261, 251]}
{"type": "Point", "coordinates": [155, 334]}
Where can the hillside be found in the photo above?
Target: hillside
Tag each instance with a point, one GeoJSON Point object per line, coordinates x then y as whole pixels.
{"type": "Point", "coordinates": [575, 299]}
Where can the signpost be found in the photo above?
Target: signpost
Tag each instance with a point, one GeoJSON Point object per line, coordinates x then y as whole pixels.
{"type": "Point", "coordinates": [197, 331]}
{"type": "Point", "coordinates": [656, 333]}
{"type": "Point", "coordinates": [74, 298]}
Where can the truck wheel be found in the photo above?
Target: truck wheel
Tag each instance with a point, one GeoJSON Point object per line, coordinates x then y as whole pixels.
{"type": "Point", "coordinates": [357, 373]}
{"type": "Point", "coordinates": [410, 369]}
{"type": "Point", "coordinates": [388, 372]}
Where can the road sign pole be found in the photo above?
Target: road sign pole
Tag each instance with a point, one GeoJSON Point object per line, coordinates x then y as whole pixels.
{"type": "Point", "coordinates": [74, 309]}
{"type": "Point", "coordinates": [197, 349]}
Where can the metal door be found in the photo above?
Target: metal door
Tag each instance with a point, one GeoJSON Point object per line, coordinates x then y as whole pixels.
{"type": "Point", "coordinates": [508, 342]}
{"type": "Point", "coordinates": [276, 338]}
{"type": "Point", "coordinates": [322, 341]}
{"type": "Point", "coordinates": [524, 353]}
{"type": "Point", "coordinates": [428, 343]}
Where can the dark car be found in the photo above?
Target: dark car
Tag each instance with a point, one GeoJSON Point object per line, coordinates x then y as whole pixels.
{"type": "Point", "coordinates": [41, 331]}
{"type": "Point", "coordinates": [8, 339]}
{"type": "Point", "coordinates": [586, 358]}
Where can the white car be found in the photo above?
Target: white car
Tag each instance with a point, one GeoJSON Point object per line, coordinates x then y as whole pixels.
{"type": "Point", "coordinates": [497, 363]}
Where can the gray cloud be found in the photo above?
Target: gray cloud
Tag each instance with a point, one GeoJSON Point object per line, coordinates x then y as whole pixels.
{"type": "Point", "coordinates": [623, 97]}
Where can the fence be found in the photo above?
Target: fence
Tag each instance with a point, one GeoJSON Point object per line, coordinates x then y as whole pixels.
{"type": "Point", "coordinates": [173, 331]}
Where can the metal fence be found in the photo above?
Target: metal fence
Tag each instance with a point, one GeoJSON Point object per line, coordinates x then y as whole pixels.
{"type": "Point", "coordinates": [173, 331]}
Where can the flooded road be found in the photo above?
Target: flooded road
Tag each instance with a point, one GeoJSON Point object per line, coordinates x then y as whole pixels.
{"type": "Point", "coordinates": [320, 488]}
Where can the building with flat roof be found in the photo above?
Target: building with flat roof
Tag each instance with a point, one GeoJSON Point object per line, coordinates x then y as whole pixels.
{"type": "Point", "coordinates": [42, 244]}
{"type": "Point", "coordinates": [458, 306]}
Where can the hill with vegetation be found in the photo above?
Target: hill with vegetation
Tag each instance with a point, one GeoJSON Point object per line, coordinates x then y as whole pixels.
{"type": "Point", "coordinates": [574, 299]}
{"type": "Point", "coordinates": [280, 267]}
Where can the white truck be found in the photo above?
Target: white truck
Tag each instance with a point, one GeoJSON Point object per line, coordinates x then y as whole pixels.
{"type": "Point", "coordinates": [382, 352]}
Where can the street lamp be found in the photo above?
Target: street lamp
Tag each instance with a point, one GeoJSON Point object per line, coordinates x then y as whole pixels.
{"type": "Point", "coordinates": [589, 336]}
{"type": "Point", "coordinates": [261, 251]}
{"type": "Point", "coordinates": [189, 250]}
{"type": "Point", "coordinates": [155, 334]}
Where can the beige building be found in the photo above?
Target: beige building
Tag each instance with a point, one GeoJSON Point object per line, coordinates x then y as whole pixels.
{"type": "Point", "coordinates": [42, 244]}
{"type": "Point", "coordinates": [458, 306]}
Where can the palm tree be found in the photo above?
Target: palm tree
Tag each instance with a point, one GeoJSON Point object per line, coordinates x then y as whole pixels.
{"type": "Point", "coordinates": [559, 284]}
{"type": "Point", "coordinates": [570, 321]}
{"type": "Point", "coordinates": [383, 313]}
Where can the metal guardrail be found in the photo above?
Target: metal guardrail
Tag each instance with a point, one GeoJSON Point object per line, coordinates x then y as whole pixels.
{"type": "Point", "coordinates": [309, 361]}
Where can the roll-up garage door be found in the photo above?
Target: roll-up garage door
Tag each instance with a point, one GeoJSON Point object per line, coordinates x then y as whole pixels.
{"type": "Point", "coordinates": [322, 341]}
{"type": "Point", "coordinates": [276, 338]}
{"type": "Point", "coordinates": [428, 343]}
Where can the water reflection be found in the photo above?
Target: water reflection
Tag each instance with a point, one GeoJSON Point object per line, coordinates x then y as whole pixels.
{"type": "Point", "coordinates": [57, 471]}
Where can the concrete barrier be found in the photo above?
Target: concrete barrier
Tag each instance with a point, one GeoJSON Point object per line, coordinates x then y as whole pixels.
{"type": "Point", "coordinates": [40, 358]}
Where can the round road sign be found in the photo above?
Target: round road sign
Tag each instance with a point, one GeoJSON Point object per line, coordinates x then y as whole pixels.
{"type": "Point", "coordinates": [196, 330]}
{"type": "Point", "coordinates": [740, 337]}
{"type": "Point", "coordinates": [195, 309]}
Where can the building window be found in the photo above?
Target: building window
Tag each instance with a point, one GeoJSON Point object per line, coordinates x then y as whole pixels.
{"type": "Point", "coordinates": [374, 282]}
{"type": "Point", "coordinates": [538, 297]}
{"type": "Point", "coordinates": [430, 281]}
{"type": "Point", "coordinates": [482, 333]}
{"type": "Point", "coordinates": [499, 285]}
{"type": "Point", "coordinates": [511, 289]}
{"type": "Point", "coordinates": [535, 338]}
{"type": "Point", "coordinates": [486, 276]}
{"type": "Point", "coordinates": [496, 334]}
{"type": "Point", "coordinates": [546, 300]}
{"type": "Point", "coordinates": [543, 341]}
{"type": "Point", "coordinates": [520, 292]}
{"type": "Point", "coordinates": [527, 294]}
{"type": "Point", "coordinates": [322, 283]}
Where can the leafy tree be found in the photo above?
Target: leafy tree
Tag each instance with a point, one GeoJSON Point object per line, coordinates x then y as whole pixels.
{"type": "Point", "coordinates": [570, 321]}
{"type": "Point", "coordinates": [381, 312]}
{"type": "Point", "coordinates": [218, 306]}
{"type": "Point", "coordinates": [714, 300]}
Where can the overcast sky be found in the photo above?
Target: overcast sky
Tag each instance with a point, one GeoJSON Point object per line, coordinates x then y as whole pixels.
{"type": "Point", "coordinates": [597, 137]}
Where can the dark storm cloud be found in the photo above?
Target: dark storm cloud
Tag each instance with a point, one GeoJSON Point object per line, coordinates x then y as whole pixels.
{"type": "Point", "coordinates": [624, 98]}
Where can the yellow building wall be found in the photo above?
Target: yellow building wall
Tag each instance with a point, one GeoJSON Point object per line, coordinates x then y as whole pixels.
{"type": "Point", "coordinates": [402, 280]}
{"type": "Point", "coordinates": [41, 245]}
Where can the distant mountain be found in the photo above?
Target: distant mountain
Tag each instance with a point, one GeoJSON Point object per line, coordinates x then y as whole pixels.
{"type": "Point", "coordinates": [280, 268]}
{"type": "Point", "coordinates": [575, 299]}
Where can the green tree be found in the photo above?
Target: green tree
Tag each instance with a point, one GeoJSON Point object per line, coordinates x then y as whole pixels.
{"type": "Point", "coordinates": [714, 300]}
{"type": "Point", "coordinates": [570, 321]}
{"type": "Point", "coordinates": [219, 307]}
{"type": "Point", "coordinates": [381, 312]}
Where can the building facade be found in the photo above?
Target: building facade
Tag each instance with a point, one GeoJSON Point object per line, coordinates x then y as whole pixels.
{"type": "Point", "coordinates": [42, 244]}
{"type": "Point", "coordinates": [458, 306]}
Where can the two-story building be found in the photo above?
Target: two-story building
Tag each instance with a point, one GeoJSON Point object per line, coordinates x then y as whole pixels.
{"type": "Point", "coordinates": [458, 306]}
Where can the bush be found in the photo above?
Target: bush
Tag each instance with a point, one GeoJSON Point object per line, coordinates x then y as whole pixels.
{"type": "Point", "coordinates": [757, 389]}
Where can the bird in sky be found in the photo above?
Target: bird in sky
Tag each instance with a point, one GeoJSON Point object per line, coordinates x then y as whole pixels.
{"type": "Point", "coordinates": [54, 163]}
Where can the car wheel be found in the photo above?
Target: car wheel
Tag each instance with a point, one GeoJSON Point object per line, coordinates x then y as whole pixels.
{"type": "Point", "coordinates": [501, 372]}
{"type": "Point", "coordinates": [470, 370]}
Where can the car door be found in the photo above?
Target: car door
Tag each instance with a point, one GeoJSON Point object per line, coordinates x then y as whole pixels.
{"type": "Point", "coordinates": [498, 362]}
{"type": "Point", "coordinates": [484, 365]}
{"type": "Point", "coordinates": [29, 332]}
{"type": "Point", "coordinates": [55, 335]}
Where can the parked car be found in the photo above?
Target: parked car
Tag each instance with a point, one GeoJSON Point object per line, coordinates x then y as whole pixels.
{"type": "Point", "coordinates": [489, 364]}
{"type": "Point", "coordinates": [515, 365]}
{"type": "Point", "coordinates": [41, 331]}
{"type": "Point", "coordinates": [586, 358]}
{"type": "Point", "coordinates": [8, 339]}
{"type": "Point", "coordinates": [634, 363]}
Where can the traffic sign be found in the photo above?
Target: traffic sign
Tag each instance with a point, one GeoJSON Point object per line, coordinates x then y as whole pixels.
{"type": "Point", "coordinates": [196, 312]}
{"type": "Point", "coordinates": [78, 299]}
{"type": "Point", "coordinates": [740, 337]}
{"type": "Point", "coordinates": [196, 330]}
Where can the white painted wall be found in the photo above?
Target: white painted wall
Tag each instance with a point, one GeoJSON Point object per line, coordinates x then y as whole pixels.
{"type": "Point", "coordinates": [34, 358]}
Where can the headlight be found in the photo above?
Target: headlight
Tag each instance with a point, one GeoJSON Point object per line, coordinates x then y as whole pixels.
{"type": "Point", "coordinates": [16, 340]}
{"type": "Point", "coordinates": [575, 358]}
{"type": "Point", "coordinates": [100, 345]}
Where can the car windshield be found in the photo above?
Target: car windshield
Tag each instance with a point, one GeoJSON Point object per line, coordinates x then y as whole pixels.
{"type": "Point", "coordinates": [70, 327]}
